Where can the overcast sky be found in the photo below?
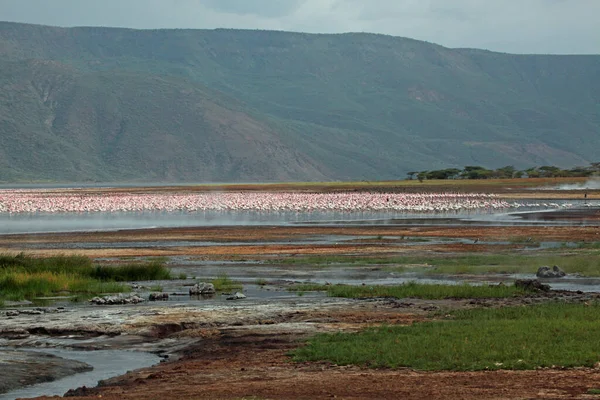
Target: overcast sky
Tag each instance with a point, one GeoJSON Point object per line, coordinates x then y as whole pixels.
{"type": "Point", "coordinates": [518, 26]}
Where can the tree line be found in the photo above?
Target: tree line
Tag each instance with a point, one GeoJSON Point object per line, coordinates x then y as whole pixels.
{"type": "Point", "coordinates": [478, 172]}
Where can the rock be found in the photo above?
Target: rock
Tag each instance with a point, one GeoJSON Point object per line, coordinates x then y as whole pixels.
{"type": "Point", "coordinates": [202, 289]}
{"type": "Point", "coordinates": [547, 272]}
{"type": "Point", "coordinates": [15, 333]}
{"type": "Point", "coordinates": [79, 392]}
{"type": "Point", "coordinates": [237, 296]}
{"type": "Point", "coordinates": [158, 296]}
{"type": "Point", "coordinates": [119, 299]}
{"type": "Point", "coordinates": [12, 313]}
{"type": "Point", "coordinates": [37, 311]}
{"type": "Point", "coordinates": [532, 285]}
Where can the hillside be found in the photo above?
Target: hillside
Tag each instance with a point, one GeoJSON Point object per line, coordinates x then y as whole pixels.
{"type": "Point", "coordinates": [228, 105]}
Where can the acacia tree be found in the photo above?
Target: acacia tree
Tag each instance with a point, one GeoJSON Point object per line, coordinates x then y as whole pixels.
{"type": "Point", "coordinates": [505, 172]}
{"type": "Point", "coordinates": [411, 175]}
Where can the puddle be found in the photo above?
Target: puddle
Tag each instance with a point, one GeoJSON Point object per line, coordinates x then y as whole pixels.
{"type": "Point", "coordinates": [106, 364]}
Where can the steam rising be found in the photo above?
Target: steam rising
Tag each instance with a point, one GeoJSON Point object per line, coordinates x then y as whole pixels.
{"type": "Point", "coordinates": [590, 184]}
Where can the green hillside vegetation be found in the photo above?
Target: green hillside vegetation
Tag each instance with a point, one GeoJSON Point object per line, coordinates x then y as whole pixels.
{"type": "Point", "coordinates": [507, 172]}
{"type": "Point", "coordinates": [230, 105]}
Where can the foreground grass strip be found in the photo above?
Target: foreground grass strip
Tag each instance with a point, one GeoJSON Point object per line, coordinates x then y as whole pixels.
{"type": "Point", "coordinates": [26, 277]}
{"type": "Point", "coordinates": [414, 290]}
{"type": "Point", "coordinates": [557, 334]}
{"type": "Point", "coordinates": [25, 285]}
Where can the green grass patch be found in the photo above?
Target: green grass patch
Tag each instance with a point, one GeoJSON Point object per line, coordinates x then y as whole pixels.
{"type": "Point", "coordinates": [413, 290]}
{"type": "Point", "coordinates": [144, 271]}
{"type": "Point", "coordinates": [584, 262]}
{"type": "Point", "coordinates": [556, 334]}
{"type": "Point", "coordinates": [587, 263]}
{"type": "Point", "coordinates": [24, 285]}
{"type": "Point", "coordinates": [78, 265]}
{"type": "Point", "coordinates": [593, 391]}
{"type": "Point", "coordinates": [26, 277]}
{"type": "Point", "coordinates": [224, 283]}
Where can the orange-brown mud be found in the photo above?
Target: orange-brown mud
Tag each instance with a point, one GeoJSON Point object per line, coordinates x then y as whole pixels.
{"type": "Point", "coordinates": [245, 236]}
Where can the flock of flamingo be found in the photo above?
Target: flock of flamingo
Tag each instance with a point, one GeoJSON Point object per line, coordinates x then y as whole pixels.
{"type": "Point", "coordinates": [48, 201]}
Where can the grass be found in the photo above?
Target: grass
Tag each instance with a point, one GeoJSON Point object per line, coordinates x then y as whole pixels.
{"type": "Point", "coordinates": [587, 264]}
{"type": "Point", "coordinates": [413, 290]}
{"type": "Point", "coordinates": [60, 264]}
{"type": "Point", "coordinates": [593, 391]}
{"type": "Point", "coordinates": [261, 281]}
{"type": "Point", "coordinates": [147, 271]}
{"type": "Point", "coordinates": [224, 283]}
{"type": "Point", "coordinates": [26, 277]}
{"type": "Point", "coordinates": [24, 285]}
{"type": "Point", "coordinates": [550, 335]}
{"type": "Point", "coordinates": [585, 261]}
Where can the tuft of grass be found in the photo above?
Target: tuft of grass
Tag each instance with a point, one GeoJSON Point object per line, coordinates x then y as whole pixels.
{"type": "Point", "coordinates": [471, 340]}
{"type": "Point", "coordinates": [148, 271]}
{"type": "Point", "coordinates": [593, 391]}
{"type": "Point", "coordinates": [261, 282]}
{"type": "Point", "coordinates": [182, 276]}
{"type": "Point", "coordinates": [414, 290]}
{"type": "Point", "coordinates": [224, 283]}
{"type": "Point", "coordinates": [156, 288]}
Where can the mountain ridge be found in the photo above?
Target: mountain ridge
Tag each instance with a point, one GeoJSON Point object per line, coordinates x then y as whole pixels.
{"type": "Point", "coordinates": [346, 106]}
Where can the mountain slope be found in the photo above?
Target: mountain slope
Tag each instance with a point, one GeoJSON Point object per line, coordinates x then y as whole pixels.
{"type": "Point", "coordinates": [60, 123]}
{"type": "Point", "coordinates": [352, 106]}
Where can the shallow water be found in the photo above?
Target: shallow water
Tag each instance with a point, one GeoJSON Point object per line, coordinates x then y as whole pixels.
{"type": "Point", "coordinates": [67, 222]}
{"type": "Point", "coordinates": [106, 363]}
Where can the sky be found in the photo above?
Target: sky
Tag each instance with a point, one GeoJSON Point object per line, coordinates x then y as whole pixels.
{"type": "Point", "coordinates": [513, 26]}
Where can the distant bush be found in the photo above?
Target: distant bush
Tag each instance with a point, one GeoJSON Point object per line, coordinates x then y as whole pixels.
{"type": "Point", "coordinates": [151, 271]}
